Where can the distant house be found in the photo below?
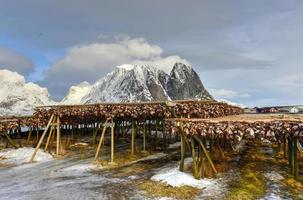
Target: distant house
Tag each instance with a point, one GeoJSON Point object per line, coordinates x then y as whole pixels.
{"type": "Point", "coordinates": [294, 110]}
{"type": "Point", "coordinates": [267, 110]}
{"type": "Point", "coordinates": [251, 110]}
{"type": "Point", "coordinates": [273, 110]}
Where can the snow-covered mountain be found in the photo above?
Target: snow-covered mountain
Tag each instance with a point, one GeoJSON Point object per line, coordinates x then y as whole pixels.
{"type": "Point", "coordinates": [129, 83]}
{"type": "Point", "coordinates": [231, 103]}
{"type": "Point", "coordinates": [76, 93]}
{"type": "Point", "coordinates": [18, 97]}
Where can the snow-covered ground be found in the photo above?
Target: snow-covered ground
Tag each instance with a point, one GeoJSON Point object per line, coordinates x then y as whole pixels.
{"type": "Point", "coordinates": [174, 177]}
{"type": "Point", "coordinates": [174, 145]}
{"type": "Point", "coordinates": [23, 155]}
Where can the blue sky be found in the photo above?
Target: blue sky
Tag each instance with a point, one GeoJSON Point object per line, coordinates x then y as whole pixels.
{"type": "Point", "coordinates": [245, 51]}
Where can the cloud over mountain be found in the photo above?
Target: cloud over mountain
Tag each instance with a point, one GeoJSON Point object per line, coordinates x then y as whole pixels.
{"type": "Point", "coordinates": [86, 62]}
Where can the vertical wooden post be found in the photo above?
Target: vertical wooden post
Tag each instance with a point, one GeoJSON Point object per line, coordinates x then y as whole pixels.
{"type": "Point", "coordinates": [183, 147]}
{"type": "Point", "coordinates": [9, 140]}
{"type": "Point", "coordinates": [156, 136]}
{"type": "Point", "coordinates": [164, 135]}
{"type": "Point", "coordinates": [101, 141]}
{"type": "Point", "coordinates": [123, 130]}
{"type": "Point", "coordinates": [29, 135]}
{"type": "Point", "coordinates": [207, 155]}
{"type": "Point", "coordinates": [37, 134]}
{"type": "Point", "coordinates": [58, 137]}
{"type": "Point", "coordinates": [48, 138]}
{"type": "Point", "coordinates": [144, 137]}
{"type": "Point", "coordinates": [133, 139]}
{"type": "Point", "coordinates": [112, 141]}
{"type": "Point", "coordinates": [41, 139]}
{"type": "Point", "coordinates": [296, 164]}
{"type": "Point", "coordinates": [195, 163]}
{"type": "Point", "coordinates": [284, 147]}
{"type": "Point", "coordinates": [290, 154]}
{"type": "Point", "coordinates": [95, 130]}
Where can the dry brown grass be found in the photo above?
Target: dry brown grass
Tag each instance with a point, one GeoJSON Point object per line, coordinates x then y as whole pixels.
{"type": "Point", "coordinates": [156, 190]}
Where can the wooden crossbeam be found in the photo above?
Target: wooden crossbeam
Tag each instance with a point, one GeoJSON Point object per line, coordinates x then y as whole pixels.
{"type": "Point", "coordinates": [41, 139]}
{"type": "Point", "coordinates": [100, 141]}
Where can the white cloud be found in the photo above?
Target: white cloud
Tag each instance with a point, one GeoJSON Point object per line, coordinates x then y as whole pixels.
{"type": "Point", "coordinates": [90, 62]}
{"type": "Point", "coordinates": [225, 93]}
{"type": "Point", "coordinates": [12, 60]}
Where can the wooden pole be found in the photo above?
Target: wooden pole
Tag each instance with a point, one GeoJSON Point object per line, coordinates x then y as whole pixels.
{"type": "Point", "coordinates": [164, 135]}
{"type": "Point", "coordinates": [289, 150]}
{"type": "Point", "coordinates": [41, 139]}
{"type": "Point", "coordinates": [156, 136]}
{"type": "Point", "coordinates": [195, 163]}
{"type": "Point", "coordinates": [220, 149]}
{"type": "Point", "coordinates": [296, 164]}
{"type": "Point", "coordinates": [29, 135]}
{"type": "Point", "coordinates": [48, 138]}
{"type": "Point", "coordinates": [183, 147]}
{"type": "Point", "coordinates": [284, 147]}
{"type": "Point", "coordinates": [10, 141]}
{"type": "Point", "coordinates": [112, 157]}
{"type": "Point", "coordinates": [206, 154]}
{"type": "Point", "coordinates": [95, 130]}
{"type": "Point", "coordinates": [144, 137]}
{"type": "Point", "coordinates": [133, 139]}
{"type": "Point", "coordinates": [58, 137]}
{"type": "Point", "coordinates": [100, 141]}
{"type": "Point", "coordinates": [123, 130]}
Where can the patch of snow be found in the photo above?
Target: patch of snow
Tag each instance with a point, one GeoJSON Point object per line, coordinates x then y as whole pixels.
{"type": "Point", "coordinates": [126, 67]}
{"type": "Point", "coordinates": [174, 145]}
{"type": "Point", "coordinates": [133, 177]}
{"type": "Point", "coordinates": [273, 176]}
{"type": "Point", "coordinates": [85, 167]}
{"type": "Point", "coordinates": [23, 155]}
{"type": "Point", "coordinates": [231, 103]}
{"type": "Point", "coordinates": [174, 177]}
{"type": "Point", "coordinates": [166, 198]}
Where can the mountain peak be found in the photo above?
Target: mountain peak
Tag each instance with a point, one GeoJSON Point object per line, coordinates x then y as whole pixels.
{"type": "Point", "coordinates": [185, 83]}
{"type": "Point", "coordinates": [18, 97]}
{"type": "Point", "coordinates": [11, 77]}
{"type": "Point", "coordinates": [181, 66]}
{"type": "Point", "coordinates": [133, 83]}
{"type": "Point", "coordinates": [126, 67]}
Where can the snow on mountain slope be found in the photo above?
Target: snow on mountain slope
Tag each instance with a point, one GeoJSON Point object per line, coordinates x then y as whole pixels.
{"type": "Point", "coordinates": [76, 93]}
{"type": "Point", "coordinates": [232, 103]}
{"type": "Point", "coordinates": [128, 84]}
{"type": "Point", "coordinates": [18, 97]}
{"type": "Point", "coordinates": [185, 83]}
{"type": "Point", "coordinates": [133, 83]}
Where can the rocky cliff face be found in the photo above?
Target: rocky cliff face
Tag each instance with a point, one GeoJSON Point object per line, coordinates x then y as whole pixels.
{"type": "Point", "coordinates": [184, 83]}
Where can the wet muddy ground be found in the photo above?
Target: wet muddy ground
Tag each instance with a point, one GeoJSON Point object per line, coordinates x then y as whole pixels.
{"type": "Point", "coordinates": [253, 174]}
